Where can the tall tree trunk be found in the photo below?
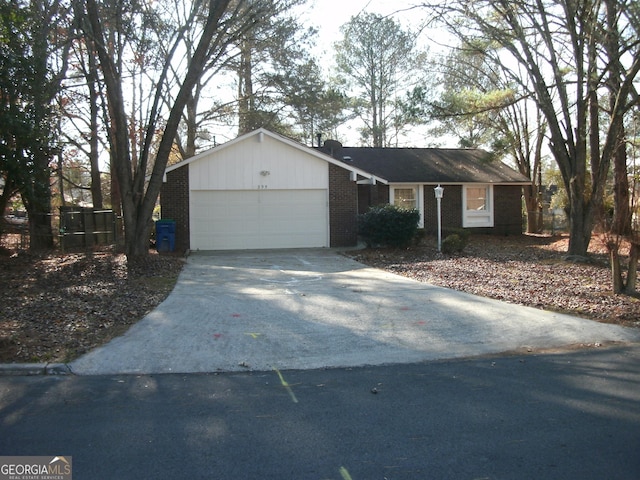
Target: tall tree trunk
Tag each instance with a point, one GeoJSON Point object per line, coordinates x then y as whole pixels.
{"type": "Point", "coordinates": [8, 191]}
{"type": "Point", "coordinates": [246, 100]}
{"type": "Point", "coordinates": [141, 202]}
{"type": "Point", "coordinates": [632, 271]}
{"type": "Point", "coordinates": [532, 193]}
{"type": "Point", "coordinates": [37, 193]}
{"type": "Point", "coordinates": [580, 215]}
{"type": "Point", "coordinates": [621, 224]}
{"type": "Point", "coordinates": [38, 204]}
{"type": "Point", "coordinates": [139, 193]}
{"type": "Point", "coordinates": [37, 201]}
{"type": "Point", "coordinates": [534, 209]}
{"type": "Point", "coordinates": [616, 269]}
{"type": "Point", "coordinates": [96, 180]}
{"type": "Point", "coordinates": [622, 214]}
{"type": "Point", "coordinates": [60, 171]}
{"type": "Point", "coordinates": [116, 204]}
{"type": "Point", "coordinates": [192, 128]}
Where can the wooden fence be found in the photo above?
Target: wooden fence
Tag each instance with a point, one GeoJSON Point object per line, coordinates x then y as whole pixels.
{"type": "Point", "coordinates": [82, 227]}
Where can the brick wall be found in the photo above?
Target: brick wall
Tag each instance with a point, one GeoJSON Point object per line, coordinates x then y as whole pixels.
{"type": "Point", "coordinates": [343, 208]}
{"type": "Point", "coordinates": [371, 196]}
{"type": "Point", "coordinates": [451, 206]}
{"type": "Point", "coordinates": [507, 218]}
{"type": "Point", "coordinates": [174, 204]}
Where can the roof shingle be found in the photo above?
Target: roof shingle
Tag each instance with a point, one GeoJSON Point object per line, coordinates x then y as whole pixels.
{"type": "Point", "coordinates": [430, 165]}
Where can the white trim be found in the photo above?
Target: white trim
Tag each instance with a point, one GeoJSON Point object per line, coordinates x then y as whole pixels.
{"type": "Point", "coordinates": [478, 218]}
{"type": "Point", "coordinates": [328, 216]}
{"type": "Point", "coordinates": [421, 205]}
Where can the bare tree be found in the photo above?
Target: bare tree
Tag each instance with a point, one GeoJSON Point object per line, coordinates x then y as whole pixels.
{"type": "Point", "coordinates": [82, 110]}
{"type": "Point", "coordinates": [203, 106]}
{"type": "Point", "coordinates": [483, 108]}
{"type": "Point", "coordinates": [558, 44]}
{"type": "Point", "coordinates": [126, 32]}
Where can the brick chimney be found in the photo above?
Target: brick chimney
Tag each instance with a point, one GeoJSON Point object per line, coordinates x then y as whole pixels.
{"type": "Point", "coordinates": [333, 148]}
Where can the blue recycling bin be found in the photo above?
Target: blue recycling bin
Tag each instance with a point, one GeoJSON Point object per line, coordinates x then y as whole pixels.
{"type": "Point", "coordinates": [165, 235]}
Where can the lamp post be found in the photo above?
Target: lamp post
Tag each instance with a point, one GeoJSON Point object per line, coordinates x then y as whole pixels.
{"type": "Point", "coordinates": [439, 192]}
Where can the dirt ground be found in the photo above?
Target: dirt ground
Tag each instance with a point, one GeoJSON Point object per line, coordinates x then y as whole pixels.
{"type": "Point", "coordinates": [55, 307]}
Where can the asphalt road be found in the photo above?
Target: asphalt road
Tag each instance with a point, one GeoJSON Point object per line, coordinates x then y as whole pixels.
{"type": "Point", "coordinates": [570, 415]}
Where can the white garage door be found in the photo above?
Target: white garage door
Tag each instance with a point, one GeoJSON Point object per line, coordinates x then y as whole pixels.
{"type": "Point", "coordinates": [257, 219]}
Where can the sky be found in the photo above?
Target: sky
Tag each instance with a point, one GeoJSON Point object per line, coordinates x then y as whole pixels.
{"type": "Point", "coordinates": [327, 16]}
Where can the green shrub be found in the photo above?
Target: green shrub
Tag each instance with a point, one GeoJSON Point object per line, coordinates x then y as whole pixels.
{"type": "Point", "coordinates": [389, 225]}
{"type": "Point", "coordinates": [463, 233]}
{"type": "Point", "coordinates": [453, 243]}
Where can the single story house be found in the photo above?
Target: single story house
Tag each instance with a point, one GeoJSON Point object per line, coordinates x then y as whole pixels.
{"type": "Point", "coordinates": [263, 190]}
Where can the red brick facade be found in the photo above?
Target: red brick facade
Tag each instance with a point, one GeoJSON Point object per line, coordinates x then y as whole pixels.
{"type": "Point", "coordinates": [343, 208]}
{"type": "Point", "coordinates": [174, 204]}
{"type": "Point", "coordinates": [372, 195]}
{"type": "Point", "coordinates": [451, 206]}
{"type": "Point", "coordinates": [507, 210]}
{"type": "Point", "coordinates": [507, 207]}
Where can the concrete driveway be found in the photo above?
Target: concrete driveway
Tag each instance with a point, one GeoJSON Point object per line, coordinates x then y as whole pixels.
{"type": "Point", "coordinates": [306, 309]}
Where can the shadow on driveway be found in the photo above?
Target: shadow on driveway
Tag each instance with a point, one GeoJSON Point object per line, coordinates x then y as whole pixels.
{"type": "Point", "coordinates": [308, 309]}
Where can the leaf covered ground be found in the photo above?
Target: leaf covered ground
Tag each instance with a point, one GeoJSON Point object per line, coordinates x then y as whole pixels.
{"type": "Point", "coordinates": [525, 270]}
{"type": "Point", "coordinates": [56, 307]}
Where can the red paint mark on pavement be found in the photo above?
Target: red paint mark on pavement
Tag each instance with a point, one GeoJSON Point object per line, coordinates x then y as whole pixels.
{"type": "Point", "coordinates": [217, 335]}
{"type": "Point", "coordinates": [405, 308]}
{"type": "Point", "coordinates": [235, 315]}
{"type": "Point", "coordinates": [421, 322]}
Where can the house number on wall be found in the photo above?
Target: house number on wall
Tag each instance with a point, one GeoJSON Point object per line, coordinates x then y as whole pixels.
{"type": "Point", "coordinates": [262, 187]}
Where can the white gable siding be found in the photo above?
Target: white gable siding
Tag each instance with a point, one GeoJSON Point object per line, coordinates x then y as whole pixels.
{"type": "Point", "coordinates": [239, 167]}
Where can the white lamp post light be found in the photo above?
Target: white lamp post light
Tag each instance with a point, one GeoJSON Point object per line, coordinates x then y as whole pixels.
{"type": "Point", "coordinates": [439, 192]}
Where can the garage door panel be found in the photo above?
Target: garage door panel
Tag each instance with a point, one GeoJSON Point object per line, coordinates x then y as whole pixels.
{"type": "Point", "coordinates": [255, 219]}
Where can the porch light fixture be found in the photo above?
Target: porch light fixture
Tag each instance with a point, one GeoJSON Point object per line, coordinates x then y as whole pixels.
{"type": "Point", "coordinates": [439, 192]}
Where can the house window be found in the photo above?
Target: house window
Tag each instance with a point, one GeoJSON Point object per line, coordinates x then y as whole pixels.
{"type": "Point", "coordinates": [404, 197]}
{"type": "Point", "coordinates": [478, 206]}
{"type": "Point", "coordinates": [408, 197]}
{"type": "Point", "coordinates": [477, 198]}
